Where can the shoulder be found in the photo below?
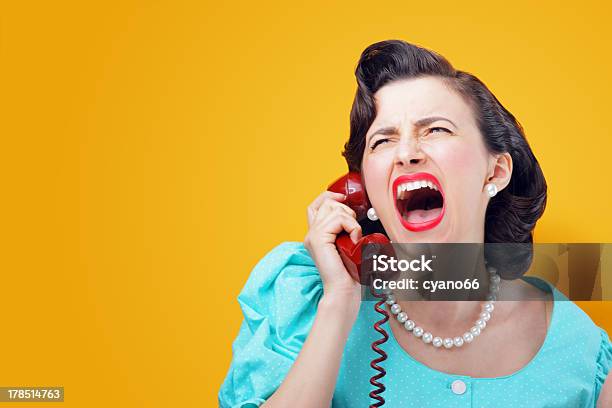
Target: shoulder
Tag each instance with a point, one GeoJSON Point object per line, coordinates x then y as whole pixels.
{"type": "Point", "coordinates": [573, 329]}
{"type": "Point", "coordinates": [573, 321]}
{"type": "Point", "coordinates": [289, 261]}
{"type": "Point", "coordinates": [576, 335]}
{"type": "Point", "coordinates": [567, 319]}
{"type": "Point", "coordinates": [279, 302]}
{"type": "Point", "coordinates": [573, 340]}
{"type": "Point", "coordinates": [282, 291]}
{"type": "Point", "coordinates": [603, 385]}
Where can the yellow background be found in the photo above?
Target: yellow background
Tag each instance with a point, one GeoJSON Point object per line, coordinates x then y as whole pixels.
{"type": "Point", "coordinates": [153, 151]}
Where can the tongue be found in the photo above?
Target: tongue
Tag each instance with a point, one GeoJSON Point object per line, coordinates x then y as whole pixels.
{"type": "Point", "coordinates": [419, 216]}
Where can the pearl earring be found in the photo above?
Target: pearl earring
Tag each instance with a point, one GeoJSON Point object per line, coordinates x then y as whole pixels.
{"type": "Point", "coordinates": [372, 216]}
{"type": "Point", "coordinates": [491, 189]}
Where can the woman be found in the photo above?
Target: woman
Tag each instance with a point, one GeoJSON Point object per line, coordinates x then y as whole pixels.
{"type": "Point", "coordinates": [305, 340]}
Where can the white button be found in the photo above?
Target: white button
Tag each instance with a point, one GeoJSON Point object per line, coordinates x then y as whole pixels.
{"type": "Point", "coordinates": [458, 387]}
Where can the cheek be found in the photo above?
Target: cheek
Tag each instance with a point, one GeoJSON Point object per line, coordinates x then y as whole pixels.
{"type": "Point", "coordinates": [376, 169]}
{"type": "Point", "coordinates": [463, 166]}
{"type": "Point", "coordinates": [458, 159]}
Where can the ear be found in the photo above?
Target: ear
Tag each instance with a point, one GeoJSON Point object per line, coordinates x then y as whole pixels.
{"type": "Point", "coordinates": [500, 170]}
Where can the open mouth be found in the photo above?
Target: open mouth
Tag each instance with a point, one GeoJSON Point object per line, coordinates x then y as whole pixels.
{"type": "Point", "coordinates": [419, 201]}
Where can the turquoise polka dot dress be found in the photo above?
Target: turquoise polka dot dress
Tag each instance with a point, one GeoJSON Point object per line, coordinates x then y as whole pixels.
{"type": "Point", "coordinates": [279, 302]}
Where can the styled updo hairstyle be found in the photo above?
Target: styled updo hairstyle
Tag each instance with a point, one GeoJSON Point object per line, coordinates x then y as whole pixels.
{"type": "Point", "coordinates": [512, 214]}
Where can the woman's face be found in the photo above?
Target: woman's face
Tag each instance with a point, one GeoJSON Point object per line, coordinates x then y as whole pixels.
{"type": "Point", "coordinates": [425, 164]}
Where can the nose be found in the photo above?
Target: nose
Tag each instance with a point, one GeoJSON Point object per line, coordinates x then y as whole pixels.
{"type": "Point", "coordinates": [408, 153]}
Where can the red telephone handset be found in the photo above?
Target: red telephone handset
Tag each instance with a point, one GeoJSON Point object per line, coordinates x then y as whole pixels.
{"type": "Point", "coordinates": [351, 255]}
{"type": "Point", "coordinates": [356, 198]}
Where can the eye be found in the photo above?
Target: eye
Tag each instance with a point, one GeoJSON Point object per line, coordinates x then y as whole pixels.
{"type": "Point", "coordinates": [376, 143]}
{"type": "Point", "coordinates": [436, 129]}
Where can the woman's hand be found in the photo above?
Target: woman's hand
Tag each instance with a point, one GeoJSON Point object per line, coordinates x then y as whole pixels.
{"type": "Point", "coordinates": [312, 378]}
{"type": "Point", "coordinates": [327, 217]}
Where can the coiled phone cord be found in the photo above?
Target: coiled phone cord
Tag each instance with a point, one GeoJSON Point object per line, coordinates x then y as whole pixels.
{"type": "Point", "coordinates": [374, 380]}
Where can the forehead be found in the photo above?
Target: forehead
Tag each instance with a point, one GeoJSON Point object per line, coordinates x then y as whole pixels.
{"type": "Point", "coordinates": [405, 101]}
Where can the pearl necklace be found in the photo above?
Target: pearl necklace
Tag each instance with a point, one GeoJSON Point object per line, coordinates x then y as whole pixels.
{"type": "Point", "coordinates": [449, 342]}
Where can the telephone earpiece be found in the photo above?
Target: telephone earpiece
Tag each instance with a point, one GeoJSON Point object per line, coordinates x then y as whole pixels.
{"type": "Point", "coordinates": [351, 185]}
{"type": "Point", "coordinates": [357, 199]}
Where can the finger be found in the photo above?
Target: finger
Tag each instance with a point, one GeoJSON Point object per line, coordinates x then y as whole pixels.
{"type": "Point", "coordinates": [331, 206]}
{"type": "Point", "coordinates": [314, 207]}
{"type": "Point", "coordinates": [339, 222]}
{"type": "Point", "coordinates": [310, 216]}
{"type": "Point", "coordinates": [324, 196]}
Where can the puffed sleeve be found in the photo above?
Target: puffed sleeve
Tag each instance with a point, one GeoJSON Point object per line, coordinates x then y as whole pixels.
{"type": "Point", "coordinates": [604, 361]}
{"type": "Point", "coordinates": [278, 302]}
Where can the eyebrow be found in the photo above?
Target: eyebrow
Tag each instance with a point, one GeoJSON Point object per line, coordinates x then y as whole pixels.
{"type": "Point", "coordinates": [392, 130]}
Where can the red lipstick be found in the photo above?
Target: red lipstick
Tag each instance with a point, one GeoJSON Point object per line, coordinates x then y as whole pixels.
{"type": "Point", "coordinates": [411, 178]}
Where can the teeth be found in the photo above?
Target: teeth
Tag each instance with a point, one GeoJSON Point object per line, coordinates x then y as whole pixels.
{"type": "Point", "coordinates": [414, 185]}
